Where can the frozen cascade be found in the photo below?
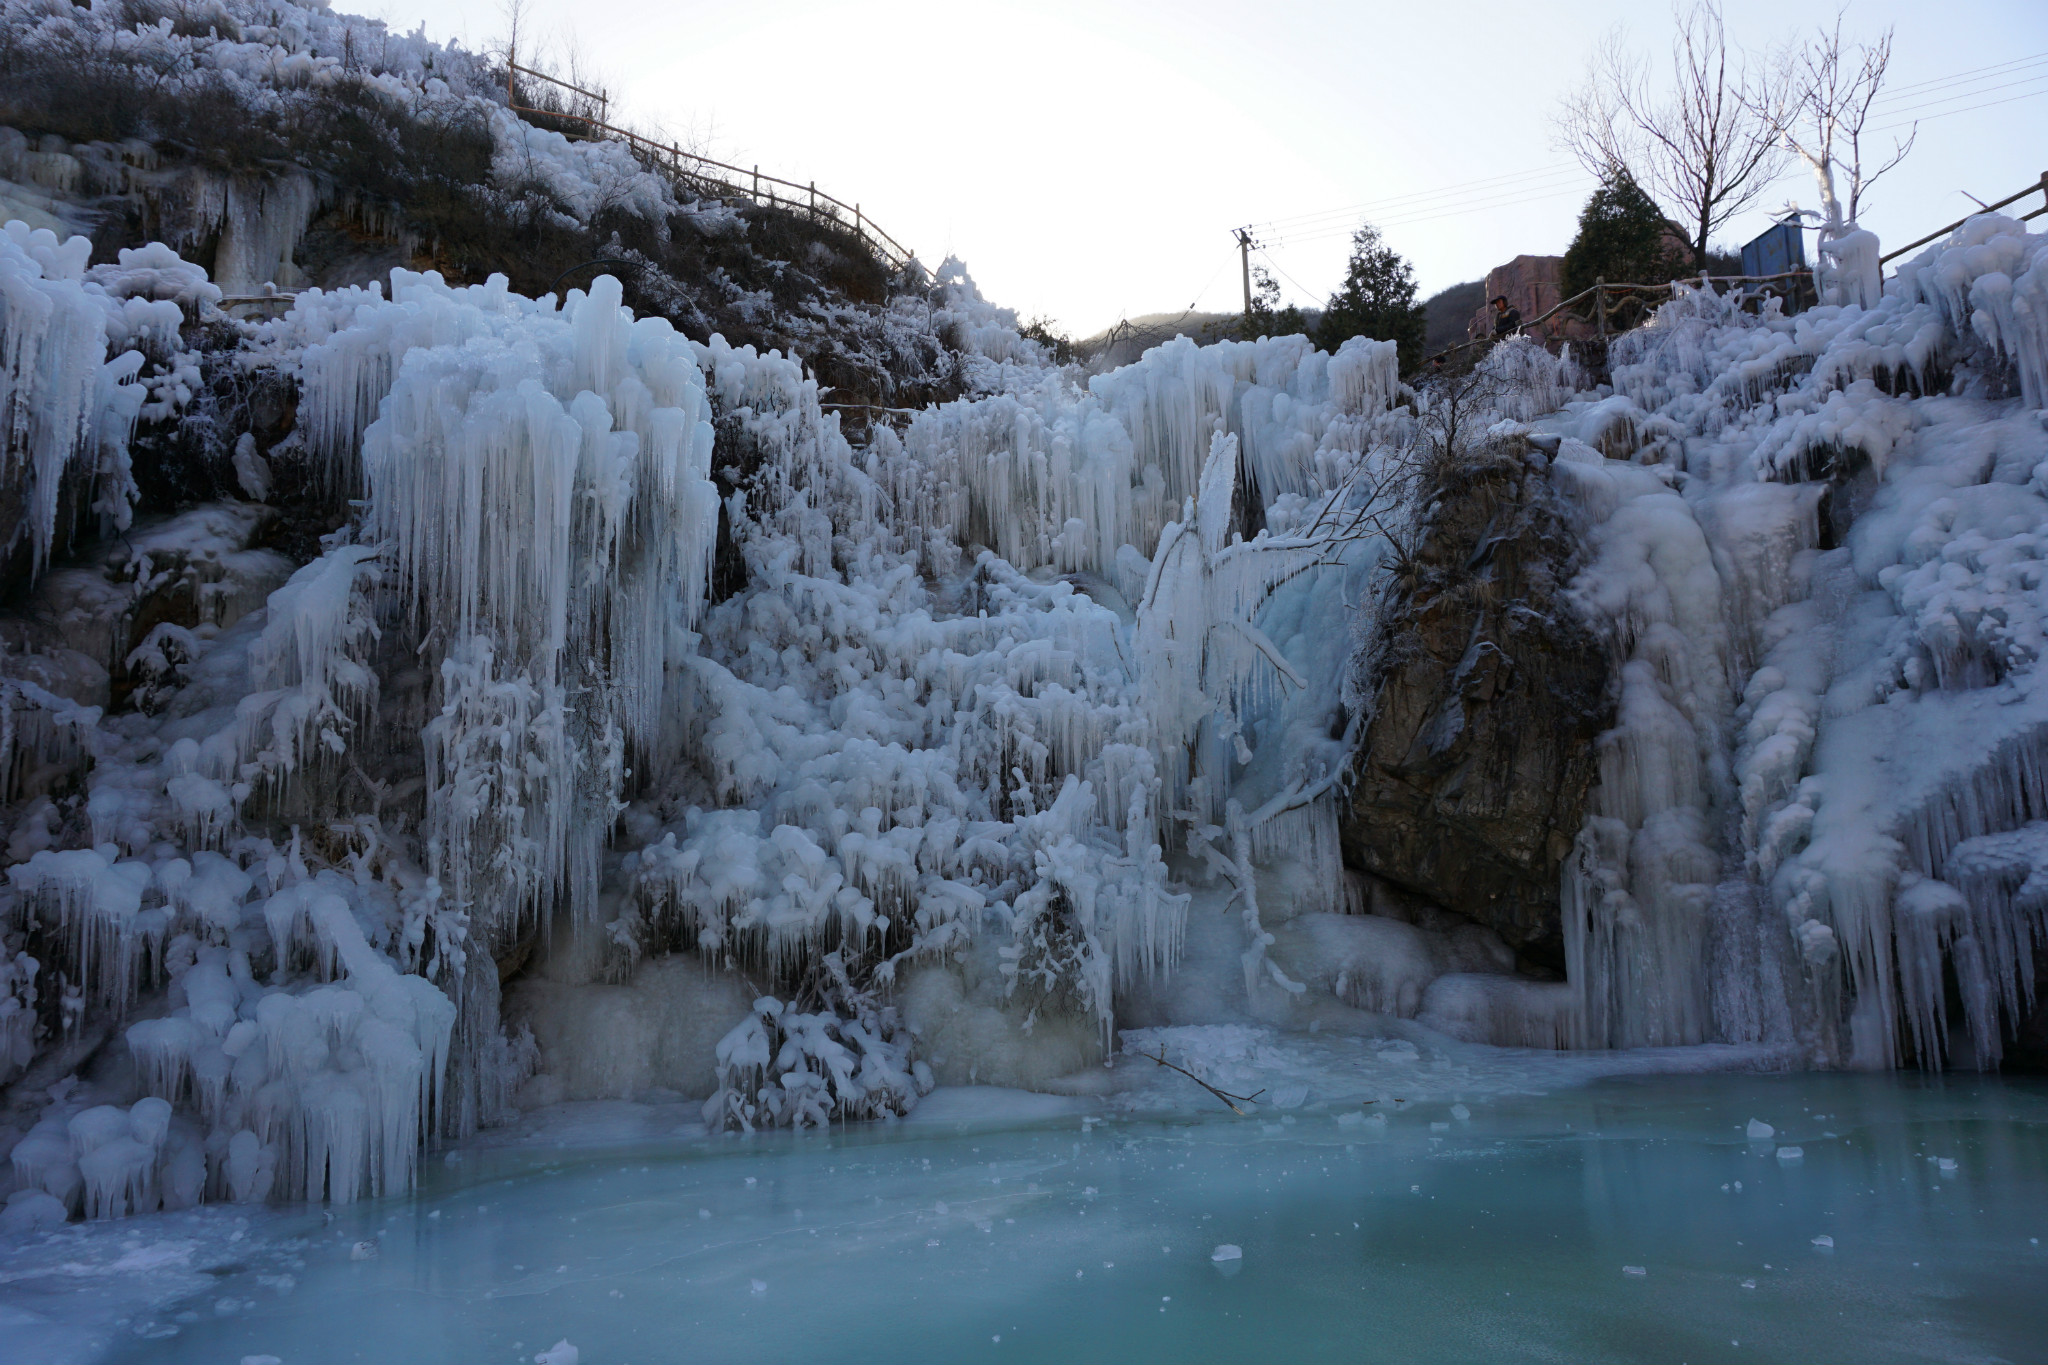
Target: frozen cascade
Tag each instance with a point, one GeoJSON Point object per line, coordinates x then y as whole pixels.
{"type": "Point", "coordinates": [1639, 892]}
{"type": "Point", "coordinates": [62, 401]}
{"type": "Point", "coordinates": [1061, 476]}
{"type": "Point", "coordinates": [988, 703]}
{"type": "Point", "coordinates": [260, 220]}
{"type": "Point", "coordinates": [542, 443]}
{"type": "Point", "coordinates": [1023, 775]}
{"type": "Point", "coordinates": [329, 1090]}
{"type": "Point", "coordinates": [1792, 742]}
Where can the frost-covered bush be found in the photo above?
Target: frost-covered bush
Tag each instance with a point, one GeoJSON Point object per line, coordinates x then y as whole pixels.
{"type": "Point", "coordinates": [783, 1068]}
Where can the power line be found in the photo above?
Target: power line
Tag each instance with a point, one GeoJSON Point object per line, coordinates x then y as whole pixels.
{"type": "Point", "coordinates": [1433, 213]}
{"type": "Point", "coordinates": [1395, 199]}
{"type": "Point", "coordinates": [1402, 200]}
{"type": "Point", "coordinates": [1989, 104]}
{"type": "Point", "coordinates": [1444, 201]}
{"type": "Point", "coordinates": [1899, 92]}
{"type": "Point", "coordinates": [1446, 213]}
{"type": "Point", "coordinates": [1425, 211]}
{"type": "Point", "coordinates": [1461, 209]}
{"type": "Point", "coordinates": [1290, 279]}
{"type": "Point", "coordinates": [1969, 94]}
{"type": "Point", "coordinates": [1407, 212]}
{"type": "Point", "coordinates": [1203, 293]}
{"type": "Point", "coordinates": [1401, 205]}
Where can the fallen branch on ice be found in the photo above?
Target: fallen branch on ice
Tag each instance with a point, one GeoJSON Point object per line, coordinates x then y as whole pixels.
{"type": "Point", "coordinates": [1232, 1100]}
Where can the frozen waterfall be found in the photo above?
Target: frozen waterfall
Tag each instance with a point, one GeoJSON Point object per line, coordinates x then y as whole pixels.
{"type": "Point", "coordinates": [993, 719]}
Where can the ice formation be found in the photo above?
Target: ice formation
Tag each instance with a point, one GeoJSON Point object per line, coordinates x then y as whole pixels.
{"type": "Point", "coordinates": [627, 660]}
{"type": "Point", "coordinates": [63, 402]}
{"type": "Point", "coordinates": [864, 772]}
{"type": "Point", "coordinates": [1827, 638]}
{"type": "Point", "coordinates": [584, 431]}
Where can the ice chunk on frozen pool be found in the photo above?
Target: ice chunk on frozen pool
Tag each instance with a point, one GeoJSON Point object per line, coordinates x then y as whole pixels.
{"type": "Point", "coordinates": [1824, 1242]}
{"type": "Point", "coordinates": [1227, 1252]}
{"type": "Point", "coordinates": [32, 1210]}
{"type": "Point", "coordinates": [1791, 1153]}
{"type": "Point", "coordinates": [1760, 1131]}
{"type": "Point", "coordinates": [561, 1353]}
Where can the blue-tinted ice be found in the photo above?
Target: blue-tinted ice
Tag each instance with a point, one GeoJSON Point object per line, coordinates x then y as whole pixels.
{"type": "Point", "coordinates": [1601, 1223]}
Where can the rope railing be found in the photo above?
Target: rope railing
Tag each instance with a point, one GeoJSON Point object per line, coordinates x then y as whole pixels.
{"type": "Point", "coordinates": [814, 201]}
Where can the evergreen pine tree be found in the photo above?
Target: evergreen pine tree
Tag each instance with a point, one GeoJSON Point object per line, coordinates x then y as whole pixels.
{"type": "Point", "coordinates": [1623, 238]}
{"type": "Point", "coordinates": [1377, 300]}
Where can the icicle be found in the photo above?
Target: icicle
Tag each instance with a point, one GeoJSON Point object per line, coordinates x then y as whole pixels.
{"type": "Point", "coordinates": [97, 904]}
{"type": "Point", "coordinates": [62, 402]}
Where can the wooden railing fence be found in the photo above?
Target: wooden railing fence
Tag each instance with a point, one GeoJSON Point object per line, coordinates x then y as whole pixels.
{"type": "Point", "coordinates": [700, 170]}
{"type": "Point", "coordinates": [2040, 188]}
{"type": "Point", "coordinates": [1609, 299]}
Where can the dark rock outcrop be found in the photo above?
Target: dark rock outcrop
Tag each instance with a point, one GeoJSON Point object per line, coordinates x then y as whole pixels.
{"type": "Point", "coordinates": [2026, 1048]}
{"type": "Point", "coordinates": [1488, 695]}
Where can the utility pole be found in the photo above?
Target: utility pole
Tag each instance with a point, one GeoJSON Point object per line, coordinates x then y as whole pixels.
{"type": "Point", "coordinates": [1244, 258]}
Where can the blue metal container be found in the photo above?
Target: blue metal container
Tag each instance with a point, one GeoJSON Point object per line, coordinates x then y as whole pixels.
{"type": "Point", "coordinates": [1781, 248]}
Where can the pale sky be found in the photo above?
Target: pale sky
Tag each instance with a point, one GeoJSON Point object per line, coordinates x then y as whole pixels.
{"type": "Point", "coordinates": [1089, 160]}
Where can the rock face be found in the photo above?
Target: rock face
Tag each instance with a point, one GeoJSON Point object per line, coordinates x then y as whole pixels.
{"type": "Point", "coordinates": [1530, 284]}
{"type": "Point", "coordinates": [1473, 773]}
{"type": "Point", "coordinates": [2026, 1051]}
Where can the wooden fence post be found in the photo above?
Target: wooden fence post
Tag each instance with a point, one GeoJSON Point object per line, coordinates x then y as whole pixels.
{"type": "Point", "coordinates": [757, 182]}
{"type": "Point", "coordinates": [1600, 304]}
{"type": "Point", "coordinates": [814, 198]}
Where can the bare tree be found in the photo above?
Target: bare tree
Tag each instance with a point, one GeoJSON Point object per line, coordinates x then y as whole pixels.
{"type": "Point", "coordinates": [515, 14]}
{"type": "Point", "coordinates": [1704, 148]}
{"type": "Point", "coordinates": [1823, 93]}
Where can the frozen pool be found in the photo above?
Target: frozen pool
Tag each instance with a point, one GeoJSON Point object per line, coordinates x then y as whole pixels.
{"type": "Point", "coordinates": [1626, 1220]}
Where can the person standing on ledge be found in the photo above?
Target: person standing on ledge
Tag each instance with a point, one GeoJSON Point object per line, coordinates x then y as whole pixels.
{"type": "Point", "coordinates": [1505, 318]}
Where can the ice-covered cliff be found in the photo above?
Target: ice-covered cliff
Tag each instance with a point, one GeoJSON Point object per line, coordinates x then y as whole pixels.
{"type": "Point", "coordinates": [518, 699]}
